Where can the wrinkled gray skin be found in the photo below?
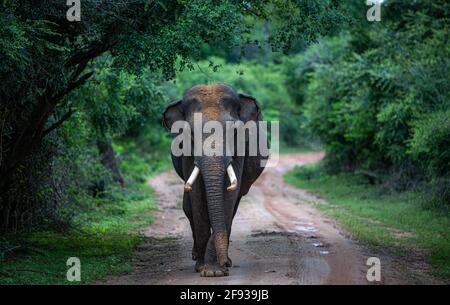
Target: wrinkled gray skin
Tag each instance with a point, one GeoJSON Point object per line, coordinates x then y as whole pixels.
{"type": "Point", "coordinates": [209, 207]}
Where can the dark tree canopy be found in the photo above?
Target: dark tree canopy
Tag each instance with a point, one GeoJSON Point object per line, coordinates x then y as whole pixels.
{"type": "Point", "coordinates": [45, 59]}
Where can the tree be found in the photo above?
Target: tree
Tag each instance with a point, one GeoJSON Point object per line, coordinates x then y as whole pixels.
{"type": "Point", "coordinates": [378, 96]}
{"type": "Point", "coordinates": [117, 102]}
{"type": "Point", "coordinates": [44, 58]}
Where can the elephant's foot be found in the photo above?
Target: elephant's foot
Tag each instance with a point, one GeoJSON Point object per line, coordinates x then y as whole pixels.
{"type": "Point", "coordinates": [199, 265]}
{"type": "Point", "coordinates": [213, 270]}
{"type": "Point", "coordinates": [229, 262]}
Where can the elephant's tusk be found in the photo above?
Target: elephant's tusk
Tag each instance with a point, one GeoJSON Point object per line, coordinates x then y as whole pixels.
{"type": "Point", "coordinates": [233, 179]}
{"type": "Point", "coordinates": [191, 180]}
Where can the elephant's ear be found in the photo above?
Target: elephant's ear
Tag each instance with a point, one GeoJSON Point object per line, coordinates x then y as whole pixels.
{"type": "Point", "coordinates": [250, 111]}
{"type": "Point", "coordinates": [249, 108]}
{"type": "Point", "coordinates": [173, 113]}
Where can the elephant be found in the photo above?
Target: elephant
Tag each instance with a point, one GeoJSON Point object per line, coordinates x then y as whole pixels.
{"type": "Point", "coordinates": [208, 203]}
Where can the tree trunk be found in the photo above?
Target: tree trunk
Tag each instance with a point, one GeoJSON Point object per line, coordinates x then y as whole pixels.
{"type": "Point", "coordinates": [30, 135]}
{"type": "Point", "coordinates": [108, 159]}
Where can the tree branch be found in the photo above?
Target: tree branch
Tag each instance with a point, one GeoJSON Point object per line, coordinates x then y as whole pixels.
{"type": "Point", "coordinates": [64, 118]}
{"type": "Point", "coordinates": [80, 68]}
{"type": "Point", "coordinates": [88, 53]}
{"type": "Point", "coordinates": [72, 86]}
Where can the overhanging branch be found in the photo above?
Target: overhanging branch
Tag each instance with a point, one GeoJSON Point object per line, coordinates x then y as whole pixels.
{"type": "Point", "coordinates": [72, 86]}
{"type": "Point", "coordinates": [88, 53]}
{"type": "Point", "coordinates": [64, 118]}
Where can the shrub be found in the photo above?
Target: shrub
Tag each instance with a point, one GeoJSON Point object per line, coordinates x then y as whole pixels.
{"type": "Point", "coordinates": [379, 97]}
{"type": "Point", "coordinates": [430, 143]}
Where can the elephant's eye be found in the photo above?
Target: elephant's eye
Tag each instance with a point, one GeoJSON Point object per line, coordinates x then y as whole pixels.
{"type": "Point", "coordinates": [192, 105]}
{"type": "Point", "coordinates": [229, 103]}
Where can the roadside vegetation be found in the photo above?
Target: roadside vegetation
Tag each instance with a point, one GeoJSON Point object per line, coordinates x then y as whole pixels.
{"type": "Point", "coordinates": [377, 98]}
{"type": "Point", "coordinates": [388, 221]}
{"type": "Point", "coordinates": [104, 232]}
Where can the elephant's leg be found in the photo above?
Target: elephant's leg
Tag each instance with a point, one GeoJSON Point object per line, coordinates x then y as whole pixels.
{"type": "Point", "coordinates": [235, 208]}
{"type": "Point", "coordinates": [187, 208]}
{"type": "Point", "coordinates": [201, 229]}
{"type": "Point", "coordinates": [230, 262]}
{"type": "Point", "coordinates": [212, 267]}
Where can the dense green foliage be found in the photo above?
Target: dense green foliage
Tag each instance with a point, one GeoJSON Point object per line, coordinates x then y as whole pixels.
{"type": "Point", "coordinates": [379, 97]}
{"type": "Point", "coordinates": [106, 236]}
{"type": "Point", "coordinates": [45, 59]}
{"type": "Point", "coordinates": [69, 90]}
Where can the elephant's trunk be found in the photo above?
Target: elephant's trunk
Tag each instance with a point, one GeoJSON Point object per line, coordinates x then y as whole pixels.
{"type": "Point", "coordinates": [213, 173]}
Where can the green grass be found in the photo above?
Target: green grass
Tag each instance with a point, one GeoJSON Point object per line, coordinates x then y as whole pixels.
{"type": "Point", "coordinates": [104, 238]}
{"type": "Point", "coordinates": [390, 221]}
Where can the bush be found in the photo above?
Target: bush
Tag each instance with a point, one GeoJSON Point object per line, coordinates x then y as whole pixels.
{"type": "Point", "coordinates": [379, 98]}
{"type": "Point", "coordinates": [430, 143]}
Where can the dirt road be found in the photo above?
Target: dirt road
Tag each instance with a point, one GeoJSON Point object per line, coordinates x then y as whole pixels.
{"type": "Point", "coordinates": [277, 238]}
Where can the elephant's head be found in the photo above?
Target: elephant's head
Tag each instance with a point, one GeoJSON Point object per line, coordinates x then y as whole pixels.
{"type": "Point", "coordinates": [220, 173]}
